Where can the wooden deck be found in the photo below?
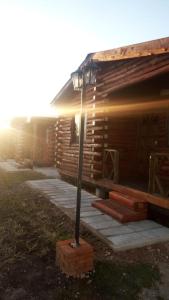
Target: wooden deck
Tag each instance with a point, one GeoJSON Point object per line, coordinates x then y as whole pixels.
{"type": "Point", "coordinates": [108, 185]}
{"type": "Point", "coordinates": [153, 199]}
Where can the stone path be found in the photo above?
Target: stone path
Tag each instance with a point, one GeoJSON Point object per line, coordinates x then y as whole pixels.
{"type": "Point", "coordinates": [10, 165]}
{"type": "Point", "coordinates": [118, 236]}
{"type": "Point", "coordinates": [48, 171]}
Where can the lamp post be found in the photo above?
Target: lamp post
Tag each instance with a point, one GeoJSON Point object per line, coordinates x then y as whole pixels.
{"type": "Point", "coordinates": [81, 79]}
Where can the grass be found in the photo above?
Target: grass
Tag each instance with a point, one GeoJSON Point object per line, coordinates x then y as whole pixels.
{"type": "Point", "coordinates": [123, 281]}
{"type": "Point", "coordinates": [25, 225]}
{"type": "Point", "coordinates": [29, 228]}
{"type": "Point", "coordinates": [9, 180]}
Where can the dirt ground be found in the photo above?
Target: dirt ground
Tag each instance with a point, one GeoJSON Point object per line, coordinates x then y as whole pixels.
{"type": "Point", "coordinates": [30, 226]}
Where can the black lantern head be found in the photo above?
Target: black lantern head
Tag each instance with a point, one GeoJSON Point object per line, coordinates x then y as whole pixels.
{"type": "Point", "coordinates": [77, 78]}
{"type": "Point", "coordinates": [85, 76]}
{"type": "Point", "coordinates": [90, 73]}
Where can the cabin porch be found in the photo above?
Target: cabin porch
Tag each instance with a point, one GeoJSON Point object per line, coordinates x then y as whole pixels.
{"type": "Point", "coordinates": [128, 145]}
{"type": "Point", "coordinates": [135, 167]}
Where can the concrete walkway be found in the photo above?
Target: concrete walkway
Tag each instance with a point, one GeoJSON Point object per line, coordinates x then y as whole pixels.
{"type": "Point", "coordinates": [48, 171]}
{"type": "Point", "coordinates": [11, 165]}
{"type": "Point", "coordinates": [117, 236]}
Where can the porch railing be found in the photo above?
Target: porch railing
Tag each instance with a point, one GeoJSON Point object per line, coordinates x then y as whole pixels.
{"type": "Point", "coordinates": [111, 164]}
{"type": "Point", "coordinates": [159, 174]}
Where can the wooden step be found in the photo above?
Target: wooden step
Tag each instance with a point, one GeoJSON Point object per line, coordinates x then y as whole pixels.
{"type": "Point", "coordinates": [129, 201]}
{"type": "Point", "coordinates": [137, 194]}
{"type": "Point", "coordinates": [108, 185]}
{"type": "Point", "coordinates": [153, 199]}
{"type": "Point", "coordinates": [118, 211]}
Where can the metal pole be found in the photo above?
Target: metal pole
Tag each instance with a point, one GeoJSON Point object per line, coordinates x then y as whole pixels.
{"type": "Point", "coordinates": [80, 167]}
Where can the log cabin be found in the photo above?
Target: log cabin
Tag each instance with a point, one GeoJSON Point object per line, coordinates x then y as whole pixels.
{"type": "Point", "coordinates": [35, 140]}
{"type": "Point", "coordinates": [21, 130]}
{"type": "Point", "coordinates": [126, 145]}
{"type": "Point", "coordinates": [43, 141]}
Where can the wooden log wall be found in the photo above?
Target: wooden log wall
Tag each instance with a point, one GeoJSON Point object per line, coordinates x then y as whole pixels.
{"type": "Point", "coordinates": [57, 158]}
{"type": "Point", "coordinates": [44, 144]}
{"type": "Point", "coordinates": [50, 146]}
{"type": "Point", "coordinates": [124, 130]}
{"type": "Point", "coordinates": [66, 153]}
{"type": "Point", "coordinates": [136, 138]}
{"type": "Point", "coordinates": [23, 148]}
{"type": "Point", "coordinates": [19, 144]}
{"type": "Point", "coordinates": [104, 130]}
{"type": "Point", "coordinates": [37, 151]}
{"type": "Point", "coordinates": [153, 137]}
{"type": "Point", "coordinates": [118, 74]}
{"type": "Point", "coordinates": [122, 136]}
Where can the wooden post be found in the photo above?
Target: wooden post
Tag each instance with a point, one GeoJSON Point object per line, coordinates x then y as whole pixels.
{"type": "Point", "coordinates": [114, 157]}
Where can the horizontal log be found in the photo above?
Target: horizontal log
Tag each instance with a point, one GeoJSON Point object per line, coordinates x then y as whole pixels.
{"type": "Point", "coordinates": [134, 79]}
{"type": "Point", "coordinates": [146, 65]}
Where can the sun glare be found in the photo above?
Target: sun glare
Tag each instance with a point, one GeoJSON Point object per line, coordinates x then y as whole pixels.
{"type": "Point", "coordinates": [4, 124]}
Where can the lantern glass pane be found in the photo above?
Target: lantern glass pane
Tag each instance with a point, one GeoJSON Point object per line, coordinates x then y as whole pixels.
{"type": "Point", "coordinates": [80, 81]}
{"type": "Point", "coordinates": [90, 75]}
{"type": "Point", "coordinates": [87, 75]}
{"type": "Point", "coordinates": [77, 80]}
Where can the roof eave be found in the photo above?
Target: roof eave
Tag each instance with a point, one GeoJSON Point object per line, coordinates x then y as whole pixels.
{"type": "Point", "coordinates": [154, 47]}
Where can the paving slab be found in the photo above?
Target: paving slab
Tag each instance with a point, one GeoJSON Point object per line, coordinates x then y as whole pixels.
{"type": "Point", "coordinates": [143, 225]}
{"type": "Point", "coordinates": [118, 236]}
{"type": "Point", "coordinates": [48, 171]}
{"type": "Point", "coordinates": [69, 206]}
{"type": "Point", "coordinates": [97, 219]}
{"type": "Point", "coordinates": [161, 233]}
{"type": "Point", "coordinates": [85, 204]}
{"type": "Point", "coordinates": [64, 203]}
{"type": "Point", "coordinates": [129, 241]}
{"type": "Point", "coordinates": [90, 213]}
{"type": "Point", "coordinates": [116, 230]}
{"type": "Point", "coordinates": [88, 208]}
{"type": "Point", "coordinates": [98, 226]}
{"type": "Point", "coordinates": [11, 166]}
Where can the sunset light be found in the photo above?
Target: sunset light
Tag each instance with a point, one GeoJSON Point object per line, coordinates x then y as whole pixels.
{"type": "Point", "coordinates": [42, 43]}
{"type": "Point", "coordinates": [84, 149]}
{"type": "Point", "coordinates": [32, 54]}
{"type": "Point", "coordinates": [4, 124]}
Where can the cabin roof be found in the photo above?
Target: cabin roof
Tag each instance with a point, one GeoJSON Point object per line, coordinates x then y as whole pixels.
{"type": "Point", "coordinates": [43, 120]}
{"type": "Point", "coordinates": [149, 48]}
{"type": "Point", "coordinates": [19, 121]}
{"type": "Point", "coordinates": [136, 50]}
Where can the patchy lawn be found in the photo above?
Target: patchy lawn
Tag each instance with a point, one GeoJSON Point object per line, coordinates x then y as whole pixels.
{"type": "Point", "coordinates": [29, 228]}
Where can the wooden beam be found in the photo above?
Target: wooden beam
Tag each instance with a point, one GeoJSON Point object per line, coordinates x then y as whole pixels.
{"type": "Point", "coordinates": [137, 50]}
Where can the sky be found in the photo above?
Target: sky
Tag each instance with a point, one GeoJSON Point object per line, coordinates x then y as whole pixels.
{"type": "Point", "coordinates": [43, 42]}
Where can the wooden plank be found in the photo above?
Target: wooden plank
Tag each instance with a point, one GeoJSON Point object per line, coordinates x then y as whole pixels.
{"type": "Point", "coordinates": [137, 50]}
{"type": "Point", "coordinates": [159, 201]}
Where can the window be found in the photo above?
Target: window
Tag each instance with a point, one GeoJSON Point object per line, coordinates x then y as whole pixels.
{"type": "Point", "coordinates": [75, 129]}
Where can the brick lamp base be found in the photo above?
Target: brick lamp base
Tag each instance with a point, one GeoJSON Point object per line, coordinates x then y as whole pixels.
{"type": "Point", "coordinates": [74, 261]}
